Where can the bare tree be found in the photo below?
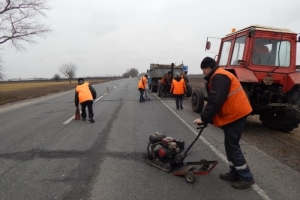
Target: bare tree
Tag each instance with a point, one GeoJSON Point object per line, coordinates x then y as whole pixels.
{"type": "Point", "coordinates": [19, 21]}
{"type": "Point", "coordinates": [56, 77]}
{"type": "Point", "coordinates": [132, 72]}
{"type": "Point", "coordinates": [68, 70]}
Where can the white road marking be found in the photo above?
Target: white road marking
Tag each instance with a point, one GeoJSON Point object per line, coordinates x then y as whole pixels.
{"type": "Point", "coordinates": [100, 97]}
{"type": "Point", "coordinates": [70, 119]}
{"type": "Point", "coordinates": [255, 187]}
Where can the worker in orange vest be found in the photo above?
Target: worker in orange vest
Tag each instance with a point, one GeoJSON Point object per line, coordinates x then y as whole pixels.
{"type": "Point", "coordinates": [142, 87]}
{"type": "Point", "coordinates": [227, 107]}
{"type": "Point", "coordinates": [178, 89]}
{"type": "Point", "coordinates": [186, 80]}
{"type": "Point", "coordinates": [85, 95]}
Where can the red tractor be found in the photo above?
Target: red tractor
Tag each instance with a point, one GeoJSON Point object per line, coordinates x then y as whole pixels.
{"type": "Point", "coordinates": [264, 60]}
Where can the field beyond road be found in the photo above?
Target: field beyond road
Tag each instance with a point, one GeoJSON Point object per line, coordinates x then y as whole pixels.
{"type": "Point", "coordinates": [11, 92]}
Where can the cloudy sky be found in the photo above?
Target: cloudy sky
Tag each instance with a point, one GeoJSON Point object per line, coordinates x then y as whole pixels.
{"type": "Point", "coordinates": [107, 37]}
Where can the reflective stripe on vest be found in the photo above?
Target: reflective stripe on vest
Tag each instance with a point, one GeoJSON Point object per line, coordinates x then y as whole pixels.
{"type": "Point", "coordinates": [233, 92]}
{"type": "Point", "coordinates": [236, 104]}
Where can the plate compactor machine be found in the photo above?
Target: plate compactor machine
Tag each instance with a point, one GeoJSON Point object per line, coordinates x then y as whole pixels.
{"type": "Point", "coordinates": [167, 154]}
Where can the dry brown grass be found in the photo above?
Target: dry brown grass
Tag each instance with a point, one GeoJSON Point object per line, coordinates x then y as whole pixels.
{"type": "Point", "coordinates": [11, 92]}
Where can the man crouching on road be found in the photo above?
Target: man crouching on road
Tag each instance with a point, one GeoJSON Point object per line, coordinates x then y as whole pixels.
{"type": "Point", "coordinates": [85, 95]}
{"type": "Point", "coordinates": [228, 108]}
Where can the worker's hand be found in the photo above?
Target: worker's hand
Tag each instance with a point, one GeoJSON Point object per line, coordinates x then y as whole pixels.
{"type": "Point", "coordinates": [198, 121]}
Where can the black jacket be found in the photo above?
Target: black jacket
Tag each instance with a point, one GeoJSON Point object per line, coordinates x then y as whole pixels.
{"type": "Point", "coordinates": [217, 94]}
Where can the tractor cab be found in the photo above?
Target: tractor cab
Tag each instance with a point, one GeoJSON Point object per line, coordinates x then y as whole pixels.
{"type": "Point", "coordinates": [263, 59]}
{"type": "Point", "coordinates": [259, 48]}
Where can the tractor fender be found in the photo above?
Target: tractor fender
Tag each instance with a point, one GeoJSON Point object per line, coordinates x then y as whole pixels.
{"type": "Point", "coordinates": [292, 79]}
{"type": "Point", "coordinates": [245, 75]}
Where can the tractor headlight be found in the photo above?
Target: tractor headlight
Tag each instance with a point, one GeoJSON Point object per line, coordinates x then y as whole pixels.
{"type": "Point", "coordinates": [268, 80]}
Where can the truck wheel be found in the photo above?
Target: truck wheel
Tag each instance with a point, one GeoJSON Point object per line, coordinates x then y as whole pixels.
{"type": "Point", "coordinates": [197, 100]}
{"type": "Point", "coordinates": [189, 89]}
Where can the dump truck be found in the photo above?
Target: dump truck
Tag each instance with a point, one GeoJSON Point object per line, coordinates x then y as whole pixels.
{"type": "Point", "coordinates": [269, 76]}
{"type": "Point", "coordinates": [156, 72]}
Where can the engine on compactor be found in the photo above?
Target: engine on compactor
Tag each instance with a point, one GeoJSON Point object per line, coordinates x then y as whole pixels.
{"type": "Point", "coordinates": [165, 149]}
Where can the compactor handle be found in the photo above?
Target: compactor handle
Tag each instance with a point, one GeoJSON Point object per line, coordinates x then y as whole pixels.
{"type": "Point", "coordinates": [201, 125]}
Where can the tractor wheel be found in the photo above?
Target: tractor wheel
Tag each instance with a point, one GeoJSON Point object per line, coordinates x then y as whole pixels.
{"type": "Point", "coordinates": [279, 119]}
{"type": "Point", "coordinates": [197, 100]}
{"type": "Point", "coordinates": [189, 89]}
{"type": "Point", "coordinates": [190, 177]}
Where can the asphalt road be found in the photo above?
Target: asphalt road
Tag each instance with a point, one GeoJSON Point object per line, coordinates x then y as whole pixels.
{"type": "Point", "coordinates": [45, 154]}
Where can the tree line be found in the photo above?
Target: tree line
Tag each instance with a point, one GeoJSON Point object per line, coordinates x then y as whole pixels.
{"type": "Point", "coordinates": [19, 23]}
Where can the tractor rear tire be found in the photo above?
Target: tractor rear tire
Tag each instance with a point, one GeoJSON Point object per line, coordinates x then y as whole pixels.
{"type": "Point", "coordinates": [197, 100]}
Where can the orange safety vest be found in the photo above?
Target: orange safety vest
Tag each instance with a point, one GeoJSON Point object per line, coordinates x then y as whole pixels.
{"type": "Point", "coordinates": [142, 83]}
{"type": "Point", "coordinates": [84, 93]}
{"type": "Point", "coordinates": [178, 87]}
{"type": "Point", "coordinates": [236, 105]}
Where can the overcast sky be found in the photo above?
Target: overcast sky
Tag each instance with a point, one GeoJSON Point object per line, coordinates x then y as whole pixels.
{"type": "Point", "coordinates": [107, 37]}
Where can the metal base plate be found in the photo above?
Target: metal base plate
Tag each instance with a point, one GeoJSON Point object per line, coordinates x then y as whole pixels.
{"type": "Point", "coordinates": [161, 165]}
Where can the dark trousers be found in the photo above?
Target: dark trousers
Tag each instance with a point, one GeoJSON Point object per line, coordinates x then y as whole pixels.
{"type": "Point", "coordinates": [237, 163]}
{"type": "Point", "coordinates": [178, 100]}
{"type": "Point", "coordinates": [164, 89]}
{"type": "Point", "coordinates": [89, 105]}
{"type": "Point", "coordinates": [141, 94]}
